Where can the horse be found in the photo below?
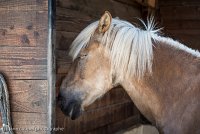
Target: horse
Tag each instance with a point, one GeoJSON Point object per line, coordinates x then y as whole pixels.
{"type": "Point", "coordinates": [161, 75]}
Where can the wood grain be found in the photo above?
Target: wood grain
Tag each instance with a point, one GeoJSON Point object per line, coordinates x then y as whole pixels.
{"type": "Point", "coordinates": [24, 5]}
{"type": "Point", "coordinates": [28, 96]}
{"type": "Point", "coordinates": [19, 56]}
{"type": "Point", "coordinates": [178, 3]}
{"type": "Point", "coordinates": [24, 123]}
{"type": "Point", "coordinates": [178, 12]}
{"type": "Point", "coordinates": [25, 72]}
{"type": "Point", "coordinates": [23, 60]}
{"type": "Point", "coordinates": [181, 24]}
{"type": "Point", "coordinates": [181, 21]}
{"type": "Point", "coordinates": [24, 28]}
{"type": "Point", "coordinates": [116, 126]}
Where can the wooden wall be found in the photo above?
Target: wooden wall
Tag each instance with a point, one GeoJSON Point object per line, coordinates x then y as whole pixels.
{"type": "Point", "coordinates": [181, 19]}
{"type": "Point", "coordinates": [115, 111]}
{"type": "Point", "coordinates": [23, 60]}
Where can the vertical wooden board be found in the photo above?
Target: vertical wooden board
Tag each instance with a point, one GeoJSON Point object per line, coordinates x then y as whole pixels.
{"type": "Point", "coordinates": [23, 28]}
{"type": "Point", "coordinates": [28, 95]}
{"type": "Point", "coordinates": [23, 55]}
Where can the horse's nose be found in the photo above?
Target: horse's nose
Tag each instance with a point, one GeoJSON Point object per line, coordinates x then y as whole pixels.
{"type": "Point", "coordinates": [70, 105]}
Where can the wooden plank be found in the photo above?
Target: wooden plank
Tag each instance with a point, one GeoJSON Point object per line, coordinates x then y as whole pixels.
{"type": "Point", "coordinates": [181, 24]}
{"type": "Point", "coordinates": [134, 3]}
{"type": "Point", "coordinates": [18, 56]}
{"type": "Point", "coordinates": [25, 72]}
{"type": "Point", "coordinates": [96, 118]}
{"type": "Point", "coordinates": [24, 5]}
{"type": "Point", "coordinates": [126, 12]}
{"type": "Point", "coordinates": [23, 62]}
{"type": "Point", "coordinates": [28, 96]}
{"type": "Point", "coordinates": [177, 13]}
{"type": "Point", "coordinates": [190, 40]}
{"type": "Point", "coordinates": [24, 28]}
{"type": "Point", "coordinates": [30, 123]}
{"type": "Point", "coordinates": [184, 31]}
{"type": "Point", "coordinates": [64, 39]}
{"type": "Point", "coordinates": [66, 25]}
{"type": "Point", "coordinates": [63, 66]}
{"type": "Point", "coordinates": [163, 3]}
{"type": "Point", "coordinates": [116, 126]}
{"type": "Point", "coordinates": [87, 7]}
{"type": "Point", "coordinates": [69, 14]}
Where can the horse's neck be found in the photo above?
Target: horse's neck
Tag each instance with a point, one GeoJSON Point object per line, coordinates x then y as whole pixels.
{"type": "Point", "coordinates": [172, 73]}
{"type": "Point", "coordinates": [146, 99]}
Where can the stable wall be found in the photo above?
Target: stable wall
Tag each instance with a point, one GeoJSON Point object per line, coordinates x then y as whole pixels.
{"type": "Point", "coordinates": [181, 20]}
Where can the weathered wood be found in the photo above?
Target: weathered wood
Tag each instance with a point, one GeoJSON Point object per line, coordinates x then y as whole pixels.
{"type": "Point", "coordinates": [24, 123]}
{"type": "Point", "coordinates": [190, 40]}
{"type": "Point", "coordinates": [63, 66]}
{"type": "Point", "coordinates": [116, 126]}
{"type": "Point", "coordinates": [65, 25]}
{"type": "Point", "coordinates": [184, 31]}
{"type": "Point", "coordinates": [64, 39]}
{"type": "Point", "coordinates": [19, 56]}
{"type": "Point", "coordinates": [181, 20]}
{"type": "Point", "coordinates": [28, 96]}
{"type": "Point", "coordinates": [23, 59]}
{"type": "Point", "coordinates": [23, 5]}
{"type": "Point", "coordinates": [24, 28]}
{"type": "Point", "coordinates": [178, 12]}
{"type": "Point", "coordinates": [181, 24]}
{"type": "Point", "coordinates": [23, 62]}
{"type": "Point", "coordinates": [178, 3]}
{"type": "Point", "coordinates": [25, 71]}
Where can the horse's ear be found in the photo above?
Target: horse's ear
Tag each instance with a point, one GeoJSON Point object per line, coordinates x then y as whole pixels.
{"type": "Point", "coordinates": [104, 22]}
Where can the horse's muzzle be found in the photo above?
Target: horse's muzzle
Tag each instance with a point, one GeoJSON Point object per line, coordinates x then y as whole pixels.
{"type": "Point", "coordinates": [70, 107]}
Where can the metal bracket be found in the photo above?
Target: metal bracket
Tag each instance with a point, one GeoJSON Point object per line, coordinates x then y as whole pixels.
{"type": "Point", "coordinates": [5, 107]}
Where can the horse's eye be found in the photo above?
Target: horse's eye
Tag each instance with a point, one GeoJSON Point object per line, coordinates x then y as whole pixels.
{"type": "Point", "coordinates": [82, 56]}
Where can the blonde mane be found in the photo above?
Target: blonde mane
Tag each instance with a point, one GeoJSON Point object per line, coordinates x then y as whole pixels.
{"type": "Point", "coordinates": [131, 48]}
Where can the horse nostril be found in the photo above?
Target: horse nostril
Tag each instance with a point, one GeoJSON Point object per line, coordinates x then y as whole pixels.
{"type": "Point", "coordinates": [71, 108]}
{"type": "Point", "coordinates": [74, 110]}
